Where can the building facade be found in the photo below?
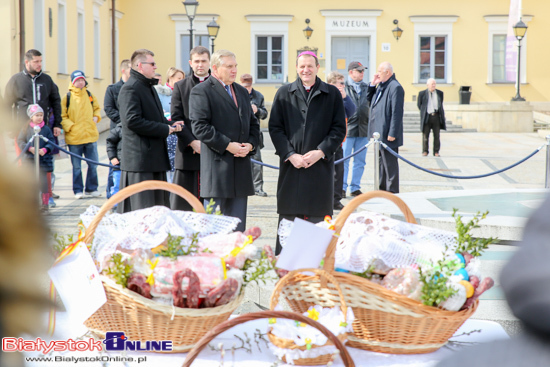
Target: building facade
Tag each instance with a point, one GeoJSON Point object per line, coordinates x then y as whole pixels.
{"type": "Point", "coordinates": [462, 44]}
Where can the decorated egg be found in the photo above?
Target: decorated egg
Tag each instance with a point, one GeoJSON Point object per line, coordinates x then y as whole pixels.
{"type": "Point", "coordinates": [461, 259]}
{"type": "Point", "coordinates": [469, 288]}
{"type": "Point", "coordinates": [341, 270]}
{"type": "Point", "coordinates": [463, 273]}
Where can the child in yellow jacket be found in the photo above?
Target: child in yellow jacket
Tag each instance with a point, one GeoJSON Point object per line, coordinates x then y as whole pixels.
{"type": "Point", "coordinates": [80, 112]}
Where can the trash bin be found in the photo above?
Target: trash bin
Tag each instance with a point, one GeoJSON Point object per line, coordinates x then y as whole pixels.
{"type": "Point", "coordinates": [464, 94]}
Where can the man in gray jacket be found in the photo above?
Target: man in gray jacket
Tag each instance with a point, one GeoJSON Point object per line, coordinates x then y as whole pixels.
{"type": "Point", "coordinates": [358, 125]}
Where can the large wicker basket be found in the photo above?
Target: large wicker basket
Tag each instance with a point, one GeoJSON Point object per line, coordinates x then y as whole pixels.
{"type": "Point", "coordinates": [384, 320]}
{"type": "Point", "coordinates": [283, 343]}
{"type": "Point", "coordinates": [141, 318]}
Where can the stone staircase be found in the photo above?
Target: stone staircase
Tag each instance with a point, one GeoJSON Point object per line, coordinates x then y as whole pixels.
{"type": "Point", "coordinates": [411, 124]}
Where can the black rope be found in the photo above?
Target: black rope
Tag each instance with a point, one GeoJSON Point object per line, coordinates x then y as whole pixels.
{"type": "Point", "coordinates": [459, 177]}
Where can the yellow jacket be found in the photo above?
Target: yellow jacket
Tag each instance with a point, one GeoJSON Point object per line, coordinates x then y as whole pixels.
{"type": "Point", "coordinates": [78, 122]}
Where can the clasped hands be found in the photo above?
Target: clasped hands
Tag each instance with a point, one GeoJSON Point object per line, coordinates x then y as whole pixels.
{"type": "Point", "coordinates": [240, 150]}
{"type": "Point", "coordinates": [307, 160]}
{"type": "Point", "coordinates": [176, 127]}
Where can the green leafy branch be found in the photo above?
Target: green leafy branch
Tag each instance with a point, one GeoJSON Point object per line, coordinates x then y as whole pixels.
{"type": "Point", "coordinates": [466, 242]}
{"type": "Point", "coordinates": [61, 242]}
{"type": "Point", "coordinates": [175, 246]}
{"type": "Point", "coordinates": [258, 270]}
{"type": "Point", "coordinates": [434, 278]}
{"type": "Point", "coordinates": [120, 270]}
{"type": "Point", "coordinates": [210, 208]}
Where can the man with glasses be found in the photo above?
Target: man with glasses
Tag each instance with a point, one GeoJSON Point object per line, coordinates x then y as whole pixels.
{"type": "Point", "coordinates": [144, 131]}
{"type": "Point", "coordinates": [358, 124]}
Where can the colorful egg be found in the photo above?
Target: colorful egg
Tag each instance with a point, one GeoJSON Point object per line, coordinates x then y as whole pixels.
{"type": "Point", "coordinates": [469, 288]}
{"type": "Point", "coordinates": [341, 270]}
{"type": "Point", "coordinates": [463, 273]}
{"type": "Point", "coordinates": [461, 259]}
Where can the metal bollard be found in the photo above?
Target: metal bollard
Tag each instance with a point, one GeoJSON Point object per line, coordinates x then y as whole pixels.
{"type": "Point", "coordinates": [37, 158]}
{"type": "Point", "coordinates": [547, 178]}
{"type": "Point", "coordinates": [376, 137]}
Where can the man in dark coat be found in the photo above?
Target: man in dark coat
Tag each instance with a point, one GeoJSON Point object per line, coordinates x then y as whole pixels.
{"type": "Point", "coordinates": [258, 107]}
{"type": "Point", "coordinates": [111, 109]}
{"type": "Point", "coordinates": [188, 159]}
{"type": "Point", "coordinates": [144, 132]}
{"type": "Point", "coordinates": [432, 116]}
{"type": "Point", "coordinates": [307, 125]}
{"type": "Point", "coordinates": [386, 117]}
{"type": "Point", "coordinates": [223, 120]}
{"type": "Point", "coordinates": [358, 125]}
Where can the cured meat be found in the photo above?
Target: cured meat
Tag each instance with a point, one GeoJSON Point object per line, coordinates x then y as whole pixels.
{"type": "Point", "coordinates": [193, 289]}
{"type": "Point", "coordinates": [222, 294]}
{"type": "Point", "coordinates": [486, 284]}
{"type": "Point", "coordinates": [222, 245]}
{"type": "Point", "coordinates": [255, 232]}
{"type": "Point", "coordinates": [138, 283]}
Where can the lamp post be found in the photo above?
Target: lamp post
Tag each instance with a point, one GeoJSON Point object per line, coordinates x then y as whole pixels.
{"type": "Point", "coordinates": [308, 31]}
{"type": "Point", "coordinates": [213, 29]}
{"type": "Point", "coordinates": [191, 9]}
{"type": "Point", "coordinates": [397, 32]}
{"type": "Point", "coordinates": [519, 31]}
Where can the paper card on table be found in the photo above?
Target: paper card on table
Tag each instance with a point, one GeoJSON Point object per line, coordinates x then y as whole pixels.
{"type": "Point", "coordinates": [76, 279]}
{"type": "Point", "coordinates": [341, 64]}
{"type": "Point", "coordinates": [305, 246]}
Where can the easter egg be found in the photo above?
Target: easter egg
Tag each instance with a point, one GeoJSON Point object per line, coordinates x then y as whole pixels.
{"type": "Point", "coordinates": [463, 273]}
{"type": "Point", "coordinates": [461, 259]}
{"type": "Point", "coordinates": [341, 270]}
{"type": "Point", "coordinates": [469, 288]}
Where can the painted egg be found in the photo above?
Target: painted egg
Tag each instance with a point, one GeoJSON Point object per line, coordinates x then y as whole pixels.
{"type": "Point", "coordinates": [463, 273]}
{"type": "Point", "coordinates": [461, 259]}
{"type": "Point", "coordinates": [469, 288]}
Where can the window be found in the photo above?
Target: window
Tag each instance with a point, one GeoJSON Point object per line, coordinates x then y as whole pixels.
{"type": "Point", "coordinates": [499, 58]}
{"type": "Point", "coordinates": [39, 20]}
{"type": "Point", "coordinates": [81, 41]}
{"type": "Point", "coordinates": [433, 58]}
{"type": "Point", "coordinates": [269, 58]}
{"type": "Point", "coordinates": [61, 39]}
{"type": "Point", "coordinates": [97, 59]}
{"type": "Point", "coordinates": [200, 40]}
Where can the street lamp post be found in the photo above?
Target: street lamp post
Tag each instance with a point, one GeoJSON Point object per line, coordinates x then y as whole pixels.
{"type": "Point", "coordinates": [519, 31]}
{"type": "Point", "coordinates": [308, 31]}
{"type": "Point", "coordinates": [213, 29]}
{"type": "Point", "coordinates": [191, 9]}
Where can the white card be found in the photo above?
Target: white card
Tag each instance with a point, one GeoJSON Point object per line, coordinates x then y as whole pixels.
{"type": "Point", "coordinates": [305, 246]}
{"type": "Point", "coordinates": [76, 279]}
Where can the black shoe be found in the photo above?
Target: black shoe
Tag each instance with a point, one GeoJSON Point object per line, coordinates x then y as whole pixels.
{"type": "Point", "coordinates": [356, 193]}
{"type": "Point", "coordinates": [343, 194]}
{"type": "Point", "coordinates": [261, 193]}
{"type": "Point", "coordinates": [338, 205]}
{"type": "Point", "coordinates": [54, 196]}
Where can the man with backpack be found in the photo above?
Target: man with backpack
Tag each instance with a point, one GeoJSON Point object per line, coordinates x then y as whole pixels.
{"type": "Point", "coordinates": [81, 113]}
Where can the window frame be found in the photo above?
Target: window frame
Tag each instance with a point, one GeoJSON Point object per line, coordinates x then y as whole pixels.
{"type": "Point", "coordinates": [270, 65]}
{"type": "Point", "coordinates": [62, 64]}
{"type": "Point", "coordinates": [432, 60]}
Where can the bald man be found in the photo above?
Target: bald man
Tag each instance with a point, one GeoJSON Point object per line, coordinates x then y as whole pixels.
{"type": "Point", "coordinates": [432, 116]}
{"type": "Point", "coordinates": [387, 98]}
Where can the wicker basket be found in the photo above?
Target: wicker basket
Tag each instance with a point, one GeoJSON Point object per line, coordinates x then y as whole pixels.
{"type": "Point", "coordinates": [141, 318]}
{"type": "Point", "coordinates": [296, 276]}
{"type": "Point", "coordinates": [384, 320]}
{"type": "Point", "coordinates": [346, 358]}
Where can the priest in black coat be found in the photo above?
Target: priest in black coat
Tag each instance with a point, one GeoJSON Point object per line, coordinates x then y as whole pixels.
{"type": "Point", "coordinates": [188, 159]}
{"type": "Point", "coordinates": [223, 120]}
{"type": "Point", "coordinates": [144, 132]}
{"type": "Point", "coordinates": [307, 125]}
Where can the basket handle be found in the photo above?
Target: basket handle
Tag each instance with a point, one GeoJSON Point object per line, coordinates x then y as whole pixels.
{"type": "Point", "coordinates": [291, 275]}
{"type": "Point", "coordinates": [220, 328]}
{"type": "Point", "coordinates": [134, 189]}
{"type": "Point", "coordinates": [350, 208]}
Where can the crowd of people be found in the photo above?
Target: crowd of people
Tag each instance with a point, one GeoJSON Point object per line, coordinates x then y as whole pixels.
{"type": "Point", "coordinates": [201, 130]}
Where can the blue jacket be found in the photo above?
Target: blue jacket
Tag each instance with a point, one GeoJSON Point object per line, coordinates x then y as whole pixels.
{"type": "Point", "coordinates": [46, 161]}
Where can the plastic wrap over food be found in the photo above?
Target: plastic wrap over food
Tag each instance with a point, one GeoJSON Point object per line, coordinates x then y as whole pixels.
{"type": "Point", "coordinates": [368, 238]}
{"type": "Point", "coordinates": [233, 248]}
{"type": "Point", "coordinates": [209, 270]}
{"type": "Point", "coordinates": [148, 228]}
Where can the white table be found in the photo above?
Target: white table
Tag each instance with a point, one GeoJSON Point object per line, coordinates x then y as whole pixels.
{"type": "Point", "coordinates": [489, 331]}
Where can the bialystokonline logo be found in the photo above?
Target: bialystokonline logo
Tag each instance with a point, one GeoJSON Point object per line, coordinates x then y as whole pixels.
{"type": "Point", "coordinates": [114, 341]}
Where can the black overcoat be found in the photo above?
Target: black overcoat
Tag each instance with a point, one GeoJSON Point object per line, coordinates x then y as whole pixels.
{"type": "Point", "coordinates": [358, 123]}
{"type": "Point", "coordinates": [422, 103]}
{"type": "Point", "coordinates": [144, 127]}
{"type": "Point", "coordinates": [186, 159]}
{"type": "Point", "coordinates": [386, 112]}
{"type": "Point", "coordinates": [217, 121]}
{"type": "Point", "coordinates": [296, 127]}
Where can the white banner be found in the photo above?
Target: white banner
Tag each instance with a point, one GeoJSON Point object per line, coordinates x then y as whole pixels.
{"type": "Point", "coordinates": [511, 45]}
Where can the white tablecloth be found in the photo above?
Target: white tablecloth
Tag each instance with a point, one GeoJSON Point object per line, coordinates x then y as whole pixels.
{"type": "Point", "coordinates": [489, 331]}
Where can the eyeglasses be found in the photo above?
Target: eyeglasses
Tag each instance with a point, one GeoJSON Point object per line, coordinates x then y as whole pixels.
{"type": "Point", "coordinates": [360, 71]}
{"type": "Point", "coordinates": [153, 64]}
{"type": "Point", "coordinates": [342, 83]}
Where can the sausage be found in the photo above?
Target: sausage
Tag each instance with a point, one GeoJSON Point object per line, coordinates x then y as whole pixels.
{"type": "Point", "coordinates": [467, 257]}
{"type": "Point", "coordinates": [225, 290]}
{"type": "Point", "coordinates": [474, 281]}
{"type": "Point", "coordinates": [486, 284]}
{"type": "Point", "coordinates": [255, 232]}
{"type": "Point", "coordinates": [138, 283]}
{"type": "Point", "coordinates": [193, 289]}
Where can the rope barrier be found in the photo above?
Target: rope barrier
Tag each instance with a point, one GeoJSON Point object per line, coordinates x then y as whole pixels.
{"type": "Point", "coordinates": [460, 177]}
{"type": "Point", "coordinates": [27, 146]}
{"type": "Point", "coordinates": [77, 156]}
{"type": "Point", "coordinates": [354, 153]}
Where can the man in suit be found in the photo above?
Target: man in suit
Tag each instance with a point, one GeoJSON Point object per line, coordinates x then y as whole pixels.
{"type": "Point", "coordinates": [432, 116]}
{"type": "Point", "coordinates": [223, 120]}
{"type": "Point", "coordinates": [387, 99]}
{"type": "Point", "coordinates": [358, 125]}
{"type": "Point", "coordinates": [144, 132]}
{"type": "Point", "coordinates": [188, 159]}
{"type": "Point", "coordinates": [307, 126]}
